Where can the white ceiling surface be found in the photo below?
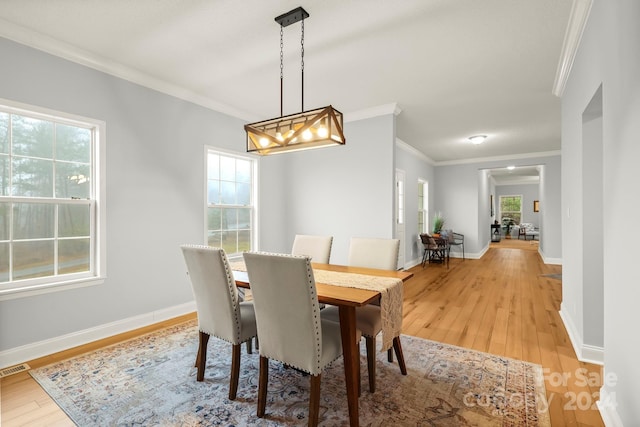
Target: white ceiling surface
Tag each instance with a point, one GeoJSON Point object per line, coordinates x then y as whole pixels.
{"type": "Point", "coordinates": [517, 176]}
{"type": "Point", "coordinates": [455, 68]}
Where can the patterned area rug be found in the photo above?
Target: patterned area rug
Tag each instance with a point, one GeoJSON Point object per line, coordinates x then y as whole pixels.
{"type": "Point", "coordinates": [150, 380]}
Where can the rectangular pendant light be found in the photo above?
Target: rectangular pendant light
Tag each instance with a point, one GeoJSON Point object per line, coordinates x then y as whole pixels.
{"type": "Point", "coordinates": [301, 131]}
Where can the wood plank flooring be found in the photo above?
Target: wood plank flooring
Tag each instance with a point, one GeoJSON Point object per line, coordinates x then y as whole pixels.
{"type": "Point", "coordinates": [502, 304]}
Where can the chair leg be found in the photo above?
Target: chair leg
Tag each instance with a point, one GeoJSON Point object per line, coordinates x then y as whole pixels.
{"type": "Point", "coordinates": [371, 362]}
{"type": "Point", "coordinates": [390, 356]}
{"type": "Point", "coordinates": [257, 343]}
{"type": "Point", "coordinates": [249, 349]}
{"type": "Point", "coordinates": [235, 371]}
{"type": "Point", "coordinates": [262, 386]}
{"type": "Point", "coordinates": [314, 400]}
{"type": "Point", "coordinates": [201, 358]}
{"type": "Point", "coordinates": [397, 346]}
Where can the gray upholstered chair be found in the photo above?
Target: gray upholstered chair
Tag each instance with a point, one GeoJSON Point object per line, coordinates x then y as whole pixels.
{"type": "Point", "coordinates": [220, 312]}
{"type": "Point", "coordinates": [380, 254]}
{"type": "Point", "coordinates": [318, 248]}
{"type": "Point", "coordinates": [290, 327]}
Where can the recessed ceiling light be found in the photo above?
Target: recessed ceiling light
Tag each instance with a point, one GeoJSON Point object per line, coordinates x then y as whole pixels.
{"type": "Point", "coordinates": [477, 139]}
{"type": "Point", "coordinates": [511, 167]}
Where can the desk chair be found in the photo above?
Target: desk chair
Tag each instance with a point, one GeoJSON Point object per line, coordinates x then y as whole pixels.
{"type": "Point", "coordinates": [436, 249]}
{"type": "Point", "coordinates": [455, 239]}
{"type": "Point", "coordinates": [220, 313]}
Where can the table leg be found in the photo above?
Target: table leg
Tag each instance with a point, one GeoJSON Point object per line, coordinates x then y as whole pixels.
{"type": "Point", "coordinates": [351, 360]}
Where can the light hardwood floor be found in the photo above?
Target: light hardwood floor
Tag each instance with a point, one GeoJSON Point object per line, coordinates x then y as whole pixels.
{"type": "Point", "coordinates": [502, 304]}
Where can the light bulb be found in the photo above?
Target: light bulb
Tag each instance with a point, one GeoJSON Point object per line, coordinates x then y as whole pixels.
{"type": "Point", "coordinates": [307, 135]}
{"type": "Point", "coordinates": [279, 137]}
{"type": "Point", "coordinates": [323, 132]}
{"type": "Point", "coordinates": [264, 142]}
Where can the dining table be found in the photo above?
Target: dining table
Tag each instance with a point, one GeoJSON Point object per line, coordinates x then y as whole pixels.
{"type": "Point", "coordinates": [347, 299]}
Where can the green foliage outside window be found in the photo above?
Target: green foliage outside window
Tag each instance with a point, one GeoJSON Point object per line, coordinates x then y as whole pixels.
{"type": "Point", "coordinates": [45, 191]}
{"type": "Point", "coordinates": [229, 211]}
{"type": "Point", "coordinates": [511, 207]}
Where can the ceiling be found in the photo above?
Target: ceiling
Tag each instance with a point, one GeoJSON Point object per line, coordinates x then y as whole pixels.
{"type": "Point", "coordinates": [454, 68]}
{"type": "Point", "coordinates": [515, 175]}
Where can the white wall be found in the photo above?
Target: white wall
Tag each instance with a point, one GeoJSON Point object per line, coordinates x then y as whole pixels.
{"type": "Point", "coordinates": [609, 55]}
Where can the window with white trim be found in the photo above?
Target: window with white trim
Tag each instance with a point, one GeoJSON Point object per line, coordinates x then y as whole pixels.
{"type": "Point", "coordinates": [510, 210]}
{"type": "Point", "coordinates": [230, 201]}
{"type": "Point", "coordinates": [48, 217]}
{"type": "Point", "coordinates": [423, 206]}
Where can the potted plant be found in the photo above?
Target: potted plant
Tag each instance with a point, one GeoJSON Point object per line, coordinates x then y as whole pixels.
{"type": "Point", "coordinates": [438, 223]}
{"type": "Point", "coordinates": [507, 223]}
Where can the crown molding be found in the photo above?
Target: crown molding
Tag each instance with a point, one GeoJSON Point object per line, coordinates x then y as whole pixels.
{"type": "Point", "coordinates": [577, 22]}
{"type": "Point", "coordinates": [412, 150]}
{"type": "Point", "coordinates": [506, 157]}
{"type": "Point", "coordinates": [72, 53]}
{"type": "Point", "coordinates": [368, 113]}
{"type": "Point", "coordinates": [47, 44]}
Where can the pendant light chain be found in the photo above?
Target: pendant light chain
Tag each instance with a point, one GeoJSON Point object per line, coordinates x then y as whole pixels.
{"type": "Point", "coordinates": [281, 70]}
{"type": "Point", "coordinates": [319, 127]}
{"type": "Point", "coordinates": [302, 64]}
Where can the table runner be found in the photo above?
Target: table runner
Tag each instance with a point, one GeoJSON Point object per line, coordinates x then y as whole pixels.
{"type": "Point", "coordinates": [391, 295]}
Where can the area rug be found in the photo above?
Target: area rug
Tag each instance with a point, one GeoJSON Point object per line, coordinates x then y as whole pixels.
{"type": "Point", "coordinates": [151, 380]}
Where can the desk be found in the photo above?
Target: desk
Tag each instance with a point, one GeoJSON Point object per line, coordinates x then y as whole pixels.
{"type": "Point", "coordinates": [346, 299]}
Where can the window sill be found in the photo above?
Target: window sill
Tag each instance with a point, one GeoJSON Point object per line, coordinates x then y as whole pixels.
{"type": "Point", "coordinates": [29, 291]}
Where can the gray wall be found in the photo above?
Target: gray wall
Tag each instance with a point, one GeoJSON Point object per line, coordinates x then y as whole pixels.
{"type": "Point", "coordinates": [154, 199]}
{"type": "Point", "coordinates": [155, 189]}
{"type": "Point", "coordinates": [343, 191]}
{"type": "Point", "coordinates": [529, 193]}
{"type": "Point", "coordinates": [462, 194]}
{"type": "Point", "coordinates": [416, 167]}
{"type": "Point", "coordinates": [609, 56]}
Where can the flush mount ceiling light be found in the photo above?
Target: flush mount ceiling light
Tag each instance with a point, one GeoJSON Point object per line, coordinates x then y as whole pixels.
{"type": "Point", "coordinates": [315, 128]}
{"type": "Point", "coordinates": [477, 139]}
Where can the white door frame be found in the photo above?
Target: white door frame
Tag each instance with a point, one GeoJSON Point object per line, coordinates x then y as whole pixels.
{"type": "Point", "coordinates": [400, 214]}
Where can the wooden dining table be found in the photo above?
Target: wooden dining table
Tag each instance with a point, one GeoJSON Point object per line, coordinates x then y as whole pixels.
{"type": "Point", "coordinates": [346, 299]}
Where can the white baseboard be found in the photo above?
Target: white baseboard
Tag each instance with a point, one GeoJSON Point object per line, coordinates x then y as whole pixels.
{"type": "Point", "coordinates": [454, 254]}
{"type": "Point", "coordinates": [584, 352]}
{"type": "Point", "coordinates": [546, 260]}
{"type": "Point", "coordinates": [607, 407]}
{"type": "Point", "coordinates": [35, 350]}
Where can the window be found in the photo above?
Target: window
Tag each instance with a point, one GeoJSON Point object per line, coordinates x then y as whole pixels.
{"type": "Point", "coordinates": [423, 205]}
{"type": "Point", "coordinates": [510, 209]}
{"type": "Point", "coordinates": [230, 202]}
{"type": "Point", "coordinates": [48, 193]}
